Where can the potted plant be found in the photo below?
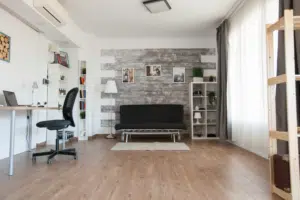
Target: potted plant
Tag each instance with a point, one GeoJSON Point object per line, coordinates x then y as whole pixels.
{"type": "Point", "coordinates": [82, 115]}
{"type": "Point", "coordinates": [197, 74]}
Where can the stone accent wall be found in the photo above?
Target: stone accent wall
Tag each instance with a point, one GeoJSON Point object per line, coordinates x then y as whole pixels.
{"type": "Point", "coordinates": [153, 90]}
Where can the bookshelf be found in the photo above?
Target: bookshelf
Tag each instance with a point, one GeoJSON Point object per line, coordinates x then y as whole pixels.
{"type": "Point", "coordinates": [203, 100]}
{"type": "Point", "coordinates": [82, 125]}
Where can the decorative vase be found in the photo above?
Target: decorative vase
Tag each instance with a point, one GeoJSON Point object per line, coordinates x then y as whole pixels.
{"type": "Point", "coordinates": [197, 79]}
{"type": "Point", "coordinates": [197, 108]}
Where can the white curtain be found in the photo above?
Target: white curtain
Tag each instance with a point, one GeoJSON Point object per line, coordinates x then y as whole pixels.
{"type": "Point", "coordinates": [247, 88]}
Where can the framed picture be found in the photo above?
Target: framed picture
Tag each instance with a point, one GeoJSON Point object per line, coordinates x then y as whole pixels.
{"type": "Point", "coordinates": [179, 75]}
{"type": "Point", "coordinates": [128, 75]}
{"type": "Point", "coordinates": [64, 59]}
{"type": "Point", "coordinates": [153, 70]}
{"type": "Point", "coordinates": [5, 45]}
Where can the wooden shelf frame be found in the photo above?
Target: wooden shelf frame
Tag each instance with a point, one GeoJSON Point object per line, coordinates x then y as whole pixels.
{"type": "Point", "coordinates": [280, 24]}
{"type": "Point", "coordinates": [281, 79]}
{"type": "Point", "coordinates": [289, 23]}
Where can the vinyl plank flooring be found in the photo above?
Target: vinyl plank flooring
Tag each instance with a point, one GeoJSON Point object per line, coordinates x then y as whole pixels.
{"type": "Point", "coordinates": [210, 171]}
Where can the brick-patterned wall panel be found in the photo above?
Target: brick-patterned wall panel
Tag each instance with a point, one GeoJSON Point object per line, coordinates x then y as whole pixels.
{"type": "Point", "coordinates": [153, 90]}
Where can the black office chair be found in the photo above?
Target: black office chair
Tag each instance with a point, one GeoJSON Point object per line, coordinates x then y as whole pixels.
{"type": "Point", "coordinates": [60, 126]}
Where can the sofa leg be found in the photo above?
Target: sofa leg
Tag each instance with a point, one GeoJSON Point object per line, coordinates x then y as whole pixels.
{"type": "Point", "coordinates": [174, 138]}
{"type": "Point", "coordinates": [179, 136]}
{"type": "Point", "coordinates": [126, 137]}
{"type": "Point", "coordinates": [123, 137]}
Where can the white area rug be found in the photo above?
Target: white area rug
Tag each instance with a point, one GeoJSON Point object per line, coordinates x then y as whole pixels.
{"type": "Point", "coordinates": [155, 146]}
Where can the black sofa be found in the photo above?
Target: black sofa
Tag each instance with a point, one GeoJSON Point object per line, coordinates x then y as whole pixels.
{"type": "Point", "coordinates": [151, 119]}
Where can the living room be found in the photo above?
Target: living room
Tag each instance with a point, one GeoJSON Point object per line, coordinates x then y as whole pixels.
{"type": "Point", "coordinates": [148, 99]}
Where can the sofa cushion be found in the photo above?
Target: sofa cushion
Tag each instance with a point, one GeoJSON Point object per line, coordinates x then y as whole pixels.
{"type": "Point", "coordinates": [158, 113]}
{"type": "Point", "coordinates": [151, 126]}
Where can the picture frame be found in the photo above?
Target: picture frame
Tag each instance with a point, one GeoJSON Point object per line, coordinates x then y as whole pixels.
{"type": "Point", "coordinates": [128, 75]}
{"type": "Point", "coordinates": [153, 70]}
{"type": "Point", "coordinates": [5, 47]}
{"type": "Point", "coordinates": [178, 74]}
{"type": "Point", "coordinates": [64, 59]}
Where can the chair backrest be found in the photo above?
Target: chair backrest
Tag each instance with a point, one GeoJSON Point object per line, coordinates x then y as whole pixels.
{"type": "Point", "coordinates": [69, 104]}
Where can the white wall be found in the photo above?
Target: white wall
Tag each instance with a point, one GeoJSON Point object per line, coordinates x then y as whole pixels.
{"type": "Point", "coordinates": [28, 63]}
{"type": "Point", "coordinates": [136, 43]}
{"type": "Point", "coordinates": [163, 42]}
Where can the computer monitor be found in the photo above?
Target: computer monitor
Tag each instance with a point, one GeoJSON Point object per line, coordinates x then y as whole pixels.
{"type": "Point", "coordinates": [10, 98]}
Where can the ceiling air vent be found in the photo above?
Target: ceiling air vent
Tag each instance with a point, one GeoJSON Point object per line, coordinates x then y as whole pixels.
{"type": "Point", "coordinates": [52, 10]}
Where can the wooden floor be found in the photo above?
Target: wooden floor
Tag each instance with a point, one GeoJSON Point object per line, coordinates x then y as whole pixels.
{"type": "Point", "coordinates": [211, 170]}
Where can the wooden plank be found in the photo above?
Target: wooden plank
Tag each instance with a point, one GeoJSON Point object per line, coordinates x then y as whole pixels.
{"type": "Point", "coordinates": [291, 103]}
{"type": "Point", "coordinates": [277, 80]}
{"type": "Point", "coordinates": [276, 26]}
{"type": "Point", "coordinates": [271, 104]}
{"type": "Point", "coordinates": [280, 79]}
{"type": "Point", "coordinates": [279, 135]}
{"type": "Point", "coordinates": [281, 193]}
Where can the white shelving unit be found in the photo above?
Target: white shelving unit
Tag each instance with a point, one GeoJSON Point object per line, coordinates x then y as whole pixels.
{"type": "Point", "coordinates": [207, 126]}
{"type": "Point", "coordinates": [82, 124]}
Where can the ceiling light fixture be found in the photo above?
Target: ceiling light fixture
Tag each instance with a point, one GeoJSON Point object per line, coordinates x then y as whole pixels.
{"type": "Point", "coordinates": [157, 6]}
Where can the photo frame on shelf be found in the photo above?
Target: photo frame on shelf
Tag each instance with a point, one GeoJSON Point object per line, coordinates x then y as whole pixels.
{"type": "Point", "coordinates": [153, 70]}
{"type": "Point", "coordinates": [128, 75]}
{"type": "Point", "coordinates": [5, 46]}
{"type": "Point", "coordinates": [178, 74]}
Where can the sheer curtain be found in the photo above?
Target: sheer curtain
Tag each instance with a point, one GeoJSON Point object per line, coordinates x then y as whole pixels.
{"type": "Point", "coordinates": [247, 88]}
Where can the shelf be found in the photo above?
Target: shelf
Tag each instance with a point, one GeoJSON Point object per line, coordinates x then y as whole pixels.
{"type": "Point", "coordinates": [199, 110]}
{"type": "Point", "coordinates": [202, 83]}
{"type": "Point", "coordinates": [201, 124]}
{"type": "Point", "coordinates": [211, 124]}
{"type": "Point", "coordinates": [280, 79]}
{"type": "Point", "coordinates": [200, 97]}
{"type": "Point", "coordinates": [279, 25]}
{"type": "Point", "coordinates": [58, 65]}
{"type": "Point", "coordinates": [211, 110]}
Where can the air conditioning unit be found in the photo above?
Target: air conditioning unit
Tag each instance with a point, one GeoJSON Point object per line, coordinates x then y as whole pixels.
{"type": "Point", "coordinates": [52, 10]}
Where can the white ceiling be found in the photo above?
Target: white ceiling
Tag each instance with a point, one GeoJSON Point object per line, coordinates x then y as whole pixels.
{"type": "Point", "coordinates": [129, 18]}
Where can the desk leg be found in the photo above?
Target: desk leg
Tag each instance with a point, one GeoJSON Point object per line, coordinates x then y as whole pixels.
{"type": "Point", "coordinates": [12, 142]}
{"type": "Point", "coordinates": [29, 129]}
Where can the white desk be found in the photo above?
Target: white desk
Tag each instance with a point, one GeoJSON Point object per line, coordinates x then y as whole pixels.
{"type": "Point", "coordinates": [12, 129]}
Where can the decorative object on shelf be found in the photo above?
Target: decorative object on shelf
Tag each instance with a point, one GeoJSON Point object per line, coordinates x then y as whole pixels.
{"type": "Point", "coordinates": [128, 75]}
{"type": "Point", "coordinates": [197, 93]}
{"type": "Point", "coordinates": [82, 80]}
{"type": "Point", "coordinates": [45, 81]}
{"type": "Point", "coordinates": [212, 98]}
{"type": "Point", "coordinates": [83, 71]}
{"type": "Point", "coordinates": [197, 116]}
{"type": "Point", "coordinates": [212, 79]}
{"type": "Point", "coordinates": [62, 92]}
{"type": "Point", "coordinates": [5, 45]}
{"type": "Point", "coordinates": [210, 75]}
{"type": "Point", "coordinates": [197, 108]}
{"type": "Point", "coordinates": [111, 88]}
{"type": "Point", "coordinates": [197, 75]}
{"type": "Point", "coordinates": [153, 70]}
{"type": "Point", "coordinates": [59, 105]}
{"type": "Point", "coordinates": [62, 77]}
{"type": "Point", "coordinates": [179, 74]}
{"type": "Point", "coordinates": [82, 115]}
{"type": "Point", "coordinates": [34, 88]}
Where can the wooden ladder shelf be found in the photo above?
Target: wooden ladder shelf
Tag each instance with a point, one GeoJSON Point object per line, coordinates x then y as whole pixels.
{"type": "Point", "coordinates": [288, 23]}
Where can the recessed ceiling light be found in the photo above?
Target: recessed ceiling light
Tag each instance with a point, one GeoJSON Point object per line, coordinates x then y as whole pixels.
{"type": "Point", "coordinates": [157, 6]}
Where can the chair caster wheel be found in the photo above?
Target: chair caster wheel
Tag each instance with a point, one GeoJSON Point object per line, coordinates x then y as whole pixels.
{"type": "Point", "coordinates": [76, 157]}
{"type": "Point", "coordinates": [34, 159]}
{"type": "Point", "coordinates": [49, 161]}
